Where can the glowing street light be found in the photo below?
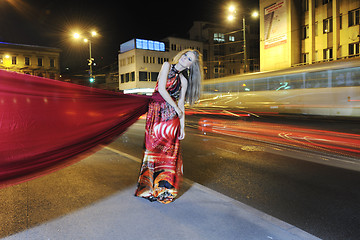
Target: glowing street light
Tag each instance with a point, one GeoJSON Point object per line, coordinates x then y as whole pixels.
{"type": "Point", "coordinates": [231, 17]}
{"type": "Point", "coordinates": [231, 9]}
{"type": "Point", "coordinates": [76, 35]}
{"type": "Point", "coordinates": [90, 60]}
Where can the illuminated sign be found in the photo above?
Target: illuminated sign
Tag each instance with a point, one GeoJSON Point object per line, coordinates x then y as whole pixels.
{"type": "Point", "coordinates": [142, 44]}
{"type": "Point", "coordinates": [150, 45]}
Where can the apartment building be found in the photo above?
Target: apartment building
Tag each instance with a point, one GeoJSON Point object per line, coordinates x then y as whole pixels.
{"type": "Point", "coordinates": [307, 32]}
{"type": "Point", "coordinates": [140, 61]}
{"type": "Point", "coordinates": [224, 48]}
{"type": "Point", "coordinates": [29, 59]}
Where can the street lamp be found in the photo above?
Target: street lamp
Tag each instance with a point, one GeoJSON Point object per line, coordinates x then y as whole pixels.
{"type": "Point", "coordinates": [90, 60]}
{"type": "Point", "coordinates": [231, 17]}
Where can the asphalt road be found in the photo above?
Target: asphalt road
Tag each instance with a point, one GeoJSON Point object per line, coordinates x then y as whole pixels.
{"type": "Point", "coordinates": [282, 182]}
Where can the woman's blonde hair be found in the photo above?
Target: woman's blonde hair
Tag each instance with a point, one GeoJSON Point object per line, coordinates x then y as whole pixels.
{"type": "Point", "coordinates": [195, 75]}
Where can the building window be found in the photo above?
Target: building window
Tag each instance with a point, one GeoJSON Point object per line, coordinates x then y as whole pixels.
{"type": "Point", "coordinates": [305, 57]}
{"type": "Point", "coordinates": [148, 59]}
{"type": "Point", "coordinates": [52, 62]}
{"type": "Point", "coordinates": [13, 60]}
{"type": "Point", "coordinates": [340, 21]}
{"type": "Point", "coordinates": [130, 60]}
{"type": "Point", "coordinates": [305, 32]}
{"type": "Point", "coordinates": [328, 54]}
{"type": "Point", "coordinates": [143, 76]}
{"type": "Point", "coordinates": [40, 62]}
{"type": "Point", "coordinates": [205, 55]}
{"type": "Point", "coordinates": [305, 5]}
{"type": "Point", "coordinates": [231, 38]}
{"type": "Point", "coordinates": [354, 17]}
{"type": "Point", "coordinates": [328, 25]}
{"type": "Point", "coordinates": [162, 60]}
{"type": "Point", "coordinates": [27, 61]}
{"type": "Point", "coordinates": [154, 76]}
{"type": "Point", "coordinates": [219, 37]}
{"type": "Point", "coordinates": [354, 49]}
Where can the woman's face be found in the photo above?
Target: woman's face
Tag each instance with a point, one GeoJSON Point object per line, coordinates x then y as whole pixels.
{"type": "Point", "coordinates": [187, 59]}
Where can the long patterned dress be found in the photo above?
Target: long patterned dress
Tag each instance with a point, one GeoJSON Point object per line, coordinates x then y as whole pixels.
{"type": "Point", "coordinates": [161, 171]}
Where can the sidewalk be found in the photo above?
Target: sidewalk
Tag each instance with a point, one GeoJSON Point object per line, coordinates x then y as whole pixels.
{"type": "Point", "coordinates": [199, 213]}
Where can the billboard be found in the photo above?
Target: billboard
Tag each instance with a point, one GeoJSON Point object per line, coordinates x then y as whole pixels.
{"type": "Point", "coordinates": [275, 24]}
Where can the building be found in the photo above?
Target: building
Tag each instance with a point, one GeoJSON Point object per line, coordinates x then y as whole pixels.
{"type": "Point", "coordinates": [224, 48]}
{"type": "Point", "coordinates": [307, 32]}
{"type": "Point", "coordinates": [140, 61]}
{"type": "Point", "coordinates": [29, 59]}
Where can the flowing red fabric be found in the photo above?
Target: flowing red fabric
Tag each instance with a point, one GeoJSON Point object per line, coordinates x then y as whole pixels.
{"type": "Point", "coordinates": [47, 124]}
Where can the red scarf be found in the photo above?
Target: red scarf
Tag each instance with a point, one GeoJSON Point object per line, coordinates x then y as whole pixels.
{"type": "Point", "coordinates": [47, 124]}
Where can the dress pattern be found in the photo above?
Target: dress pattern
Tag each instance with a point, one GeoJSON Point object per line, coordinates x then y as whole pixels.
{"type": "Point", "coordinates": [162, 169]}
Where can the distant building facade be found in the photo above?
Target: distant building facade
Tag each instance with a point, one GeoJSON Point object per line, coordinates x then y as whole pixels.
{"type": "Point", "coordinates": [224, 49]}
{"type": "Point", "coordinates": [140, 61]}
{"type": "Point", "coordinates": [28, 59]}
{"type": "Point", "coordinates": [307, 32]}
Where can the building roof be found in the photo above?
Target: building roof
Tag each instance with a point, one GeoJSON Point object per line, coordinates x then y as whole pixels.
{"type": "Point", "coordinates": [25, 46]}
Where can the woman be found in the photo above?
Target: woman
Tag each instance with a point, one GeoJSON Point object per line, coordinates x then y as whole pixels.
{"type": "Point", "coordinates": [161, 170]}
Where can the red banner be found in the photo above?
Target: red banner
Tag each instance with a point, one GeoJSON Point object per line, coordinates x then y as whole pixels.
{"type": "Point", "coordinates": [47, 124]}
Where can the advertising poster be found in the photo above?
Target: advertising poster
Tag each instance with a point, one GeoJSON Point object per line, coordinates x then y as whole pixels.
{"type": "Point", "coordinates": [275, 25]}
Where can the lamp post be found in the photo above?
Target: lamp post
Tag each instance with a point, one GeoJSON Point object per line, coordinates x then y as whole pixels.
{"type": "Point", "coordinates": [231, 17]}
{"type": "Point", "coordinates": [90, 60]}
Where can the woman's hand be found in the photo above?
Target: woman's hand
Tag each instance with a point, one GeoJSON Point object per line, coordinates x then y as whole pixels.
{"type": "Point", "coordinates": [182, 134]}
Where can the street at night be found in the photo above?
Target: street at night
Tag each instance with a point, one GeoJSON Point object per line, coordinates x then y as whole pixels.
{"type": "Point", "coordinates": [282, 182]}
{"type": "Point", "coordinates": [270, 177]}
{"type": "Point", "coordinates": [199, 120]}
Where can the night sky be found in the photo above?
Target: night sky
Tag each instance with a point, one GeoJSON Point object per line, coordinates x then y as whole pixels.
{"type": "Point", "coordinates": [52, 23]}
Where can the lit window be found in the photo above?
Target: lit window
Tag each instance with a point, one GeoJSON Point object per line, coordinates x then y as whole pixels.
{"type": "Point", "coordinates": [219, 37]}
{"type": "Point", "coordinates": [150, 45]}
{"type": "Point", "coordinates": [328, 25]}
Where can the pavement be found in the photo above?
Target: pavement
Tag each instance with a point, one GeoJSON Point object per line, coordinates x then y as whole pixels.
{"type": "Point", "coordinates": [94, 199]}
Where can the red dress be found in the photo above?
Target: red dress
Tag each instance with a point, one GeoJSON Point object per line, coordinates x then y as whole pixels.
{"type": "Point", "coordinates": [161, 171]}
